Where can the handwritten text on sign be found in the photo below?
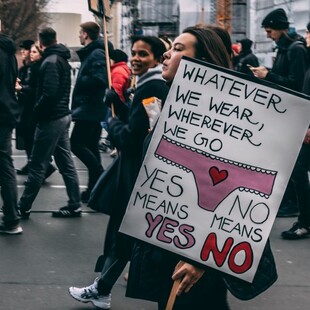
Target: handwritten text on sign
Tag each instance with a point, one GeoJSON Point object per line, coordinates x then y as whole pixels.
{"type": "Point", "coordinates": [217, 167]}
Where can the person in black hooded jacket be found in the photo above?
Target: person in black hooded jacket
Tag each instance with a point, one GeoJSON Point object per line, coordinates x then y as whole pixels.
{"type": "Point", "coordinates": [53, 117]}
{"type": "Point", "coordinates": [300, 175]}
{"type": "Point", "coordinates": [88, 109]}
{"type": "Point", "coordinates": [9, 115]}
{"type": "Point", "coordinates": [246, 57]}
{"type": "Point", "coordinates": [291, 61]}
{"type": "Point", "coordinates": [288, 70]}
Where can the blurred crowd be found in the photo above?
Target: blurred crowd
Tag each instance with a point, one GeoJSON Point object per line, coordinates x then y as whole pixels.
{"type": "Point", "coordinates": [114, 92]}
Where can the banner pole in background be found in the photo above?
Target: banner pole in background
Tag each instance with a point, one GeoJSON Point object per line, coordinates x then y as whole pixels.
{"type": "Point", "coordinates": [101, 8]}
{"type": "Point", "coordinates": [106, 14]}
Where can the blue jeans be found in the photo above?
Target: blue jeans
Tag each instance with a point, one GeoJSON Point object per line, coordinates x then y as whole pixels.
{"type": "Point", "coordinates": [8, 182]}
{"type": "Point", "coordinates": [51, 138]}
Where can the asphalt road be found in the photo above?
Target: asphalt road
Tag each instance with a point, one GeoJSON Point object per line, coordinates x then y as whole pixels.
{"type": "Point", "coordinates": [37, 267]}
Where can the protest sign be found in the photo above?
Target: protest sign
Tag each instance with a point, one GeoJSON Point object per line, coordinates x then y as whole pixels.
{"type": "Point", "coordinates": [100, 8]}
{"type": "Point", "coordinates": [217, 167]}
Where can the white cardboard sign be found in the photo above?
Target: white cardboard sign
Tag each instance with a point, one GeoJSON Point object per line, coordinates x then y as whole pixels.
{"type": "Point", "coordinates": [217, 167]}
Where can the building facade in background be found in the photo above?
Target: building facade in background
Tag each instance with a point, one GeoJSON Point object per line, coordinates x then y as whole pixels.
{"type": "Point", "coordinates": [242, 18]}
{"type": "Point", "coordinates": [158, 17]}
{"type": "Point", "coordinates": [63, 21]}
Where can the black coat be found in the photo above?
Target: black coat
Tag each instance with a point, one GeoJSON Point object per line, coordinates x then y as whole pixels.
{"type": "Point", "coordinates": [91, 83]}
{"type": "Point", "coordinates": [9, 108]}
{"type": "Point", "coordinates": [247, 58]}
{"type": "Point", "coordinates": [54, 83]}
{"type": "Point", "coordinates": [127, 137]}
{"type": "Point", "coordinates": [290, 64]}
{"type": "Point", "coordinates": [27, 95]}
{"type": "Point", "coordinates": [306, 85]}
{"type": "Point", "coordinates": [151, 269]}
{"type": "Point", "coordinates": [28, 75]}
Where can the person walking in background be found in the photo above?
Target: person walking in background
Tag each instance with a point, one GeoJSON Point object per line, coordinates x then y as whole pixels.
{"type": "Point", "coordinates": [26, 90]}
{"type": "Point", "coordinates": [52, 115]}
{"type": "Point", "coordinates": [288, 70]}
{"type": "Point", "coordinates": [120, 73]}
{"type": "Point", "coordinates": [235, 57]}
{"type": "Point", "coordinates": [246, 57]}
{"type": "Point", "coordinates": [300, 176]}
{"type": "Point", "coordinates": [88, 109]}
{"type": "Point", "coordinates": [127, 132]}
{"type": "Point", "coordinates": [23, 77]}
{"type": "Point", "coordinates": [152, 269]}
{"type": "Point", "coordinates": [10, 112]}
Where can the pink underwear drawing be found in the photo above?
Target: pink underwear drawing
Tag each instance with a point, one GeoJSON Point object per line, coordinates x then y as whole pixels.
{"type": "Point", "coordinates": [215, 177]}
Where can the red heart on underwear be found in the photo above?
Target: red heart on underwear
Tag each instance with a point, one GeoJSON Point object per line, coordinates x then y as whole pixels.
{"type": "Point", "coordinates": [217, 176]}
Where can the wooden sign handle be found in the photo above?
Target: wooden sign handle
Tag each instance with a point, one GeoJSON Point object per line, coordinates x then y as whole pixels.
{"type": "Point", "coordinates": [107, 56]}
{"type": "Point", "coordinates": [173, 295]}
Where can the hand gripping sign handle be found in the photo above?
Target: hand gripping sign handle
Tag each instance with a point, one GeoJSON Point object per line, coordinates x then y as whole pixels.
{"type": "Point", "coordinates": [173, 292]}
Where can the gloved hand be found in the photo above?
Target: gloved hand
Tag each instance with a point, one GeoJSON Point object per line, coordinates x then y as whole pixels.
{"type": "Point", "coordinates": [110, 97]}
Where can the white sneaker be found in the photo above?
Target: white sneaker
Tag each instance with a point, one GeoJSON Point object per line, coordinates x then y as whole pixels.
{"type": "Point", "coordinates": [90, 294]}
{"type": "Point", "coordinates": [10, 230]}
{"type": "Point", "coordinates": [113, 153]}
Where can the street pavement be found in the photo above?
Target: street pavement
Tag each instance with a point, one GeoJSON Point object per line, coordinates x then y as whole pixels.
{"type": "Point", "coordinates": [37, 267]}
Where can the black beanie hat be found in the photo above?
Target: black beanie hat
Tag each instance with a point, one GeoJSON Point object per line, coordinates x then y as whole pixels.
{"type": "Point", "coordinates": [119, 55]}
{"type": "Point", "coordinates": [276, 19]}
{"type": "Point", "coordinates": [27, 44]}
{"type": "Point", "coordinates": [308, 27]}
{"type": "Point", "coordinates": [245, 43]}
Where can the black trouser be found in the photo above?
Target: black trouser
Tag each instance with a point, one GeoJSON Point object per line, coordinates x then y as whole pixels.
{"type": "Point", "coordinates": [8, 182]}
{"type": "Point", "coordinates": [85, 146]}
{"type": "Point", "coordinates": [51, 138]}
{"type": "Point", "coordinates": [27, 133]}
{"type": "Point", "coordinates": [300, 178]}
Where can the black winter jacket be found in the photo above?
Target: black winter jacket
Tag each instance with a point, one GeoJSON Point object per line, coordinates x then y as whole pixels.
{"type": "Point", "coordinates": [9, 108]}
{"type": "Point", "coordinates": [27, 95]}
{"type": "Point", "coordinates": [54, 82]}
{"type": "Point", "coordinates": [91, 83]}
{"type": "Point", "coordinates": [151, 269]}
{"type": "Point", "coordinates": [291, 62]}
{"type": "Point", "coordinates": [247, 58]}
{"type": "Point", "coordinates": [128, 136]}
{"type": "Point", "coordinates": [306, 85]}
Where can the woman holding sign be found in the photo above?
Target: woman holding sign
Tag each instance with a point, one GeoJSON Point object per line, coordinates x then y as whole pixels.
{"type": "Point", "coordinates": [127, 132]}
{"type": "Point", "coordinates": [153, 270]}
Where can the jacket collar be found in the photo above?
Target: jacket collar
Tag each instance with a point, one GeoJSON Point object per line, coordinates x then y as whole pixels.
{"type": "Point", "coordinates": [86, 50]}
{"type": "Point", "coordinates": [150, 74]}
